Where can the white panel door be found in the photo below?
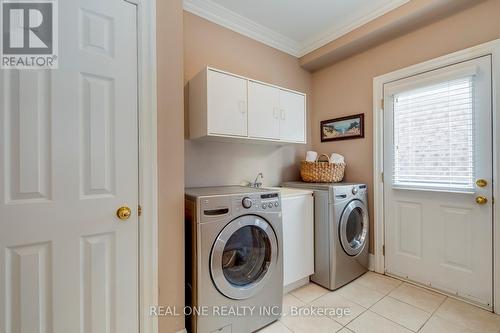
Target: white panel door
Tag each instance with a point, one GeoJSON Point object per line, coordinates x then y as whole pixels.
{"type": "Point", "coordinates": [68, 160]}
{"type": "Point", "coordinates": [438, 144]}
{"type": "Point", "coordinates": [263, 111]}
{"type": "Point", "coordinates": [227, 104]}
{"type": "Point", "coordinates": [292, 117]}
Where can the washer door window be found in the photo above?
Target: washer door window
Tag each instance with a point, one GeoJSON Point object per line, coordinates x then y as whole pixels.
{"type": "Point", "coordinates": [354, 228]}
{"type": "Point", "coordinates": [244, 257]}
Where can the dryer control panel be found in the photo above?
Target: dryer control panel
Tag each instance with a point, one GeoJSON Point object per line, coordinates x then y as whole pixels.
{"type": "Point", "coordinates": [349, 191]}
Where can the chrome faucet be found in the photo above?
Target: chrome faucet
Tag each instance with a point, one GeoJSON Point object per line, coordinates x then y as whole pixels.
{"type": "Point", "coordinates": [256, 182]}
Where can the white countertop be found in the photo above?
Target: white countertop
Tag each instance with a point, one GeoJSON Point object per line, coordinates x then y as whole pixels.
{"type": "Point", "coordinates": [287, 192]}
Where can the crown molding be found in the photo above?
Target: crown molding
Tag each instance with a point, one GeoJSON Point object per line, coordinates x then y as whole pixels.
{"type": "Point", "coordinates": [220, 15]}
{"type": "Point", "coordinates": [335, 32]}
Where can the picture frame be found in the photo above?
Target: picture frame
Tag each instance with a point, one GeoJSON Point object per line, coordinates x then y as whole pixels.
{"type": "Point", "coordinates": [343, 128]}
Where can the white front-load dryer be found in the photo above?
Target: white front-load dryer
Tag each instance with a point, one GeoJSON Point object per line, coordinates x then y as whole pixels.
{"type": "Point", "coordinates": [234, 265]}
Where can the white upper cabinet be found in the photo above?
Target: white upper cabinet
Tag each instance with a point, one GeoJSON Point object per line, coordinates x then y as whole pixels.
{"type": "Point", "coordinates": [263, 111]}
{"type": "Point", "coordinates": [225, 105]}
{"type": "Point", "coordinates": [292, 116]}
{"type": "Point", "coordinates": [218, 105]}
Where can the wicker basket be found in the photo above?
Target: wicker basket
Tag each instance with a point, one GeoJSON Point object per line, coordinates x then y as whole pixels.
{"type": "Point", "coordinates": [322, 171]}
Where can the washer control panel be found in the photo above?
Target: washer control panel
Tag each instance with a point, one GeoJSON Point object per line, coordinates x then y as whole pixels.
{"type": "Point", "coordinates": [217, 207]}
{"type": "Point", "coordinates": [258, 202]}
{"type": "Point", "coordinates": [246, 202]}
{"type": "Point", "coordinates": [270, 201]}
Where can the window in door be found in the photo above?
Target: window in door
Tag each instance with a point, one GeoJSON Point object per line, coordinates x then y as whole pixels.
{"type": "Point", "coordinates": [434, 136]}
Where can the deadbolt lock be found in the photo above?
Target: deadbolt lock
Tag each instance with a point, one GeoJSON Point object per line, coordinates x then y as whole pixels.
{"type": "Point", "coordinates": [481, 182]}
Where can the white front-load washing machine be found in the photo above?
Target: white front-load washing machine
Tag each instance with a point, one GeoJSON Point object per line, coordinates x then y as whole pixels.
{"type": "Point", "coordinates": [341, 232]}
{"type": "Point", "coordinates": [234, 265]}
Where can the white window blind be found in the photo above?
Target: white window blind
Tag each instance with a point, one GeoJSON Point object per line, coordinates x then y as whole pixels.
{"type": "Point", "coordinates": [434, 136]}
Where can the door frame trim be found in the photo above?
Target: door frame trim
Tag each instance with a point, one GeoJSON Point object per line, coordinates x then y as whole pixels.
{"type": "Point", "coordinates": [148, 175]}
{"type": "Point", "coordinates": [491, 48]}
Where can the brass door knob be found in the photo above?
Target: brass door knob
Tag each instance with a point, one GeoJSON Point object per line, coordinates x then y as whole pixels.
{"type": "Point", "coordinates": [481, 182]}
{"type": "Point", "coordinates": [480, 200]}
{"type": "Point", "coordinates": [123, 213]}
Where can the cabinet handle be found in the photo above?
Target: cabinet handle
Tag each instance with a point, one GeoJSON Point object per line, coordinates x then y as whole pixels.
{"type": "Point", "coordinates": [242, 106]}
{"type": "Point", "coordinates": [283, 114]}
{"type": "Point", "coordinates": [275, 112]}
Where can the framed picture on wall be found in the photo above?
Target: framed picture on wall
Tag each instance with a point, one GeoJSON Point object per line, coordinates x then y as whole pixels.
{"type": "Point", "coordinates": [344, 128]}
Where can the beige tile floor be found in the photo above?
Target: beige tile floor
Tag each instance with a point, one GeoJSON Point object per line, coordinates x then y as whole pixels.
{"type": "Point", "coordinates": [380, 304]}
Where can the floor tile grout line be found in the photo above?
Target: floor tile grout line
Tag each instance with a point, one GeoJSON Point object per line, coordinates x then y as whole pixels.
{"type": "Point", "coordinates": [334, 291]}
{"type": "Point", "coordinates": [392, 321]}
{"type": "Point", "coordinates": [433, 313]}
{"type": "Point", "coordinates": [365, 309]}
{"type": "Point", "coordinates": [416, 307]}
{"type": "Point", "coordinates": [335, 321]}
{"type": "Point", "coordinates": [370, 309]}
{"type": "Point", "coordinates": [449, 321]}
{"type": "Point", "coordinates": [423, 290]}
{"type": "Point", "coordinates": [388, 295]}
{"type": "Point", "coordinates": [381, 276]}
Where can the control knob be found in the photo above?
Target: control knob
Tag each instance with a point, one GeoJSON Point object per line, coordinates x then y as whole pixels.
{"type": "Point", "coordinates": [246, 202]}
{"type": "Point", "coordinates": [355, 190]}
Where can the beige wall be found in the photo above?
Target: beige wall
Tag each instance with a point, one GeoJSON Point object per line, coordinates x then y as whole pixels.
{"type": "Point", "coordinates": [218, 163]}
{"type": "Point", "coordinates": [170, 160]}
{"type": "Point", "coordinates": [346, 87]}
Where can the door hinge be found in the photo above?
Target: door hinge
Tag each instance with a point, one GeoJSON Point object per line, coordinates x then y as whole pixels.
{"type": "Point", "coordinates": [382, 177]}
{"type": "Point", "coordinates": [382, 104]}
{"type": "Point", "coordinates": [139, 210]}
{"type": "Point", "coordinates": [383, 250]}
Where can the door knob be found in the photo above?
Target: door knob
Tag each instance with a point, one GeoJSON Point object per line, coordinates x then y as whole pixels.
{"type": "Point", "coordinates": [480, 200]}
{"type": "Point", "coordinates": [481, 182]}
{"type": "Point", "coordinates": [123, 213]}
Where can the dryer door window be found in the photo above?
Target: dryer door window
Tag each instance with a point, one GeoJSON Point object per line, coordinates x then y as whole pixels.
{"type": "Point", "coordinates": [244, 257]}
{"type": "Point", "coordinates": [354, 228]}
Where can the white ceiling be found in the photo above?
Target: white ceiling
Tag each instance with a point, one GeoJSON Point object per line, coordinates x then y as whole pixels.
{"type": "Point", "coordinates": [294, 26]}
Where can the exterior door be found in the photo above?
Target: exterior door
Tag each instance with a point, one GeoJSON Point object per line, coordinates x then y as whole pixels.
{"type": "Point", "coordinates": [227, 104]}
{"type": "Point", "coordinates": [263, 111]}
{"type": "Point", "coordinates": [438, 179]}
{"type": "Point", "coordinates": [68, 161]}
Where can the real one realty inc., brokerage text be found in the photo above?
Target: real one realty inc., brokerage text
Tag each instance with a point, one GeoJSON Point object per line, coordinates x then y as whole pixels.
{"type": "Point", "coordinates": [244, 311]}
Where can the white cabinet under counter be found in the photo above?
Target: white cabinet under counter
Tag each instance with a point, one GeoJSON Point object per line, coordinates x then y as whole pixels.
{"type": "Point", "coordinates": [227, 106]}
{"type": "Point", "coordinates": [298, 236]}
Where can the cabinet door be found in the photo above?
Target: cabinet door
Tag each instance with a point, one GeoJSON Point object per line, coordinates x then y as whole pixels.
{"type": "Point", "coordinates": [298, 238]}
{"type": "Point", "coordinates": [292, 117]}
{"type": "Point", "coordinates": [227, 104]}
{"type": "Point", "coordinates": [263, 111]}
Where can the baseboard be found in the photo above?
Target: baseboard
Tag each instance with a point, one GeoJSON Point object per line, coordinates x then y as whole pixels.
{"type": "Point", "coordinates": [295, 285]}
{"type": "Point", "coordinates": [182, 331]}
{"type": "Point", "coordinates": [371, 262]}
